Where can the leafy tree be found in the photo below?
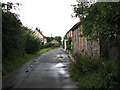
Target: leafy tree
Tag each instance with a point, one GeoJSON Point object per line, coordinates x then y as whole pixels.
{"type": "Point", "coordinates": [49, 39]}
{"type": "Point", "coordinates": [58, 38]}
{"type": "Point", "coordinates": [32, 44]}
{"type": "Point", "coordinates": [12, 34]}
{"type": "Point", "coordinates": [100, 21]}
{"type": "Point", "coordinates": [16, 39]}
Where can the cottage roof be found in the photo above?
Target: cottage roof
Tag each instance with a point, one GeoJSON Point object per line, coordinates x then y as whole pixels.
{"type": "Point", "coordinates": [40, 33]}
{"type": "Point", "coordinates": [69, 30]}
{"type": "Point", "coordinates": [75, 26]}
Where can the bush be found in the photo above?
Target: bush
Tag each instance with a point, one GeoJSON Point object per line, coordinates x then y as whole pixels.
{"type": "Point", "coordinates": [55, 46]}
{"type": "Point", "coordinates": [96, 73]}
{"type": "Point", "coordinates": [90, 80]}
{"type": "Point", "coordinates": [12, 36]}
{"type": "Point", "coordinates": [69, 43]}
{"type": "Point", "coordinates": [32, 44]}
{"type": "Point", "coordinates": [47, 45]}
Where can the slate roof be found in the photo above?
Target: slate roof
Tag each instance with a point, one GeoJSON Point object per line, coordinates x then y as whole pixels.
{"type": "Point", "coordinates": [75, 26]}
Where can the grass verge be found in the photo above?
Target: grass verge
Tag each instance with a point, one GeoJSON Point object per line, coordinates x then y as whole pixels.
{"type": "Point", "coordinates": [16, 62]}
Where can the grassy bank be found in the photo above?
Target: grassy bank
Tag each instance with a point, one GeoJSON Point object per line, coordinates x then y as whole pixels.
{"type": "Point", "coordinates": [95, 73]}
{"type": "Point", "coordinates": [11, 65]}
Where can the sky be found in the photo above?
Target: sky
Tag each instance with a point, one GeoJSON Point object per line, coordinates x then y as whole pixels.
{"type": "Point", "coordinates": [50, 16]}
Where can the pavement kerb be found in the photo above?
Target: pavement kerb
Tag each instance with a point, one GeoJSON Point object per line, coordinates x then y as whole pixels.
{"type": "Point", "coordinates": [69, 55]}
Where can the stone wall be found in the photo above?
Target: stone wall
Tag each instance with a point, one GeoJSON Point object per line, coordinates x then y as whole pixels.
{"type": "Point", "coordinates": [83, 46]}
{"type": "Point", "coordinates": [75, 39]}
{"type": "Point", "coordinates": [93, 49]}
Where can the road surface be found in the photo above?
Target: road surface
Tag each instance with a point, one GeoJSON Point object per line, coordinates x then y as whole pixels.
{"type": "Point", "coordinates": [49, 70]}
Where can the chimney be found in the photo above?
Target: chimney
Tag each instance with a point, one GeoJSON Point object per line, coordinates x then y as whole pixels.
{"type": "Point", "coordinates": [36, 28]}
{"type": "Point", "coordinates": [39, 30]}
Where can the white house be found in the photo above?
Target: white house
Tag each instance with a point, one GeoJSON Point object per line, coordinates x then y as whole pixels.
{"type": "Point", "coordinates": [38, 34]}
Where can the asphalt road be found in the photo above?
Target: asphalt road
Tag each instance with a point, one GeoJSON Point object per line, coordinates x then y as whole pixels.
{"type": "Point", "coordinates": [49, 70]}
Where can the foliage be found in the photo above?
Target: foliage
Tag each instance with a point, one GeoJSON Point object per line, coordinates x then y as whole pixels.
{"type": "Point", "coordinates": [12, 34]}
{"type": "Point", "coordinates": [58, 38]}
{"type": "Point", "coordinates": [48, 45]}
{"type": "Point", "coordinates": [100, 20]}
{"type": "Point", "coordinates": [69, 43]}
{"type": "Point", "coordinates": [95, 73]}
{"type": "Point", "coordinates": [65, 37]}
{"type": "Point", "coordinates": [32, 44]}
{"type": "Point", "coordinates": [49, 39]}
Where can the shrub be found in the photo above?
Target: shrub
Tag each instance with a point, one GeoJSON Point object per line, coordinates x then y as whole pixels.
{"type": "Point", "coordinates": [90, 80]}
{"type": "Point", "coordinates": [12, 36]}
{"type": "Point", "coordinates": [95, 73]}
{"type": "Point", "coordinates": [32, 44]}
{"type": "Point", "coordinates": [48, 45]}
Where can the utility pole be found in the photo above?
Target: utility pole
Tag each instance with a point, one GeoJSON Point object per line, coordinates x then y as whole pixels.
{"type": "Point", "coordinates": [51, 37]}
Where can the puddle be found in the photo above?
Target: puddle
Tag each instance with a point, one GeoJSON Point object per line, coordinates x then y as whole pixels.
{"type": "Point", "coordinates": [58, 56]}
{"type": "Point", "coordinates": [61, 56]}
{"type": "Point", "coordinates": [60, 59]}
{"type": "Point", "coordinates": [61, 68]}
{"type": "Point", "coordinates": [59, 65]}
{"type": "Point", "coordinates": [61, 71]}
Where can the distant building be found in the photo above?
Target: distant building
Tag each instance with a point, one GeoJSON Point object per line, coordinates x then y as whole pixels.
{"type": "Point", "coordinates": [39, 35]}
{"type": "Point", "coordinates": [54, 42]}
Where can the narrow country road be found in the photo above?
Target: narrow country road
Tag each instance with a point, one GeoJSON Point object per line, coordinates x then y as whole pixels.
{"type": "Point", "coordinates": [49, 70]}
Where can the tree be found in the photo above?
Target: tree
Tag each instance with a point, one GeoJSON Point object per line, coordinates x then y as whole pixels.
{"type": "Point", "coordinates": [32, 44]}
{"type": "Point", "coordinates": [58, 38]}
{"type": "Point", "coordinates": [12, 34]}
{"type": "Point", "coordinates": [16, 39]}
{"type": "Point", "coordinates": [100, 21]}
{"type": "Point", "coordinates": [48, 39]}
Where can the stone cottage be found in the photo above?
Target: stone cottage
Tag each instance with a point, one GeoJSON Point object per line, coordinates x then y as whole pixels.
{"type": "Point", "coordinates": [81, 45]}
{"type": "Point", "coordinates": [70, 34]}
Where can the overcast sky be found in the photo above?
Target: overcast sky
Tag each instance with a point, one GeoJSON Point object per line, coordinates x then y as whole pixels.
{"type": "Point", "coordinates": [50, 16]}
